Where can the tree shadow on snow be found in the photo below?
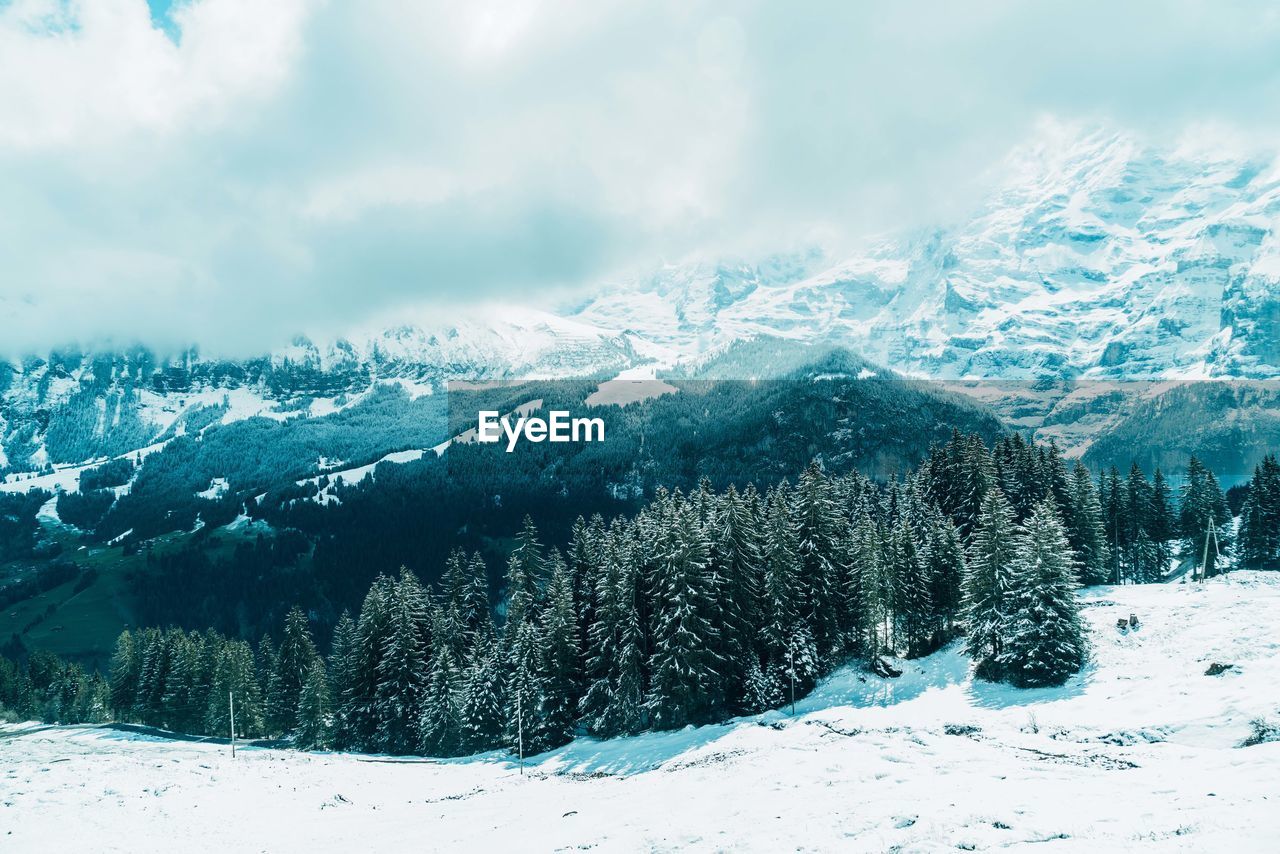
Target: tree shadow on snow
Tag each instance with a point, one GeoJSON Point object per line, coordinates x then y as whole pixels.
{"type": "Point", "coordinates": [998, 695]}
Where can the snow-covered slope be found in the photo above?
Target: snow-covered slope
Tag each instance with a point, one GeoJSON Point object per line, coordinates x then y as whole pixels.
{"type": "Point", "coordinates": [1141, 752]}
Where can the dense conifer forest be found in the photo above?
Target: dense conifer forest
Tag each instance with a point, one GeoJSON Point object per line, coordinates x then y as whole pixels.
{"type": "Point", "coordinates": [701, 605]}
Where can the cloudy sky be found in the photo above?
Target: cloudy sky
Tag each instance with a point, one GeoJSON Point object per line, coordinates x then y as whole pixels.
{"type": "Point", "coordinates": [233, 171]}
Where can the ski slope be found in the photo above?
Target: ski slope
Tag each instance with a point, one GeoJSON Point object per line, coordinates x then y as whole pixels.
{"type": "Point", "coordinates": [1141, 752]}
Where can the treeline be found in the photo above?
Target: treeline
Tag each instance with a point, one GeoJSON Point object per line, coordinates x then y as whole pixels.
{"type": "Point", "coordinates": [1258, 544]}
{"type": "Point", "coordinates": [44, 687]}
{"type": "Point", "coordinates": [698, 607]}
{"type": "Point", "coordinates": [1146, 529]}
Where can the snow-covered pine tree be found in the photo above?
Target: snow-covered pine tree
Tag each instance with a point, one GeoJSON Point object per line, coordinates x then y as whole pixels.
{"type": "Point", "coordinates": [913, 608]}
{"type": "Point", "coordinates": [154, 672]}
{"type": "Point", "coordinates": [561, 677]}
{"type": "Point", "coordinates": [1162, 526]}
{"type": "Point", "coordinates": [1111, 495]}
{"type": "Point", "coordinates": [440, 728]}
{"type": "Point", "coordinates": [293, 664]}
{"type": "Point", "coordinates": [786, 641]}
{"type": "Point", "coordinates": [1140, 554]}
{"type": "Point", "coordinates": [1042, 638]}
{"type": "Point", "coordinates": [372, 629]}
{"type": "Point", "coordinates": [525, 572]}
{"type": "Point", "coordinates": [125, 667]}
{"type": "Point", "coordinates": [482, 715]}
{"type": "Point", "coordinates": [736, 558]}
{"type": "Point", "coordinates": [524, 723]}
{"type": "Point", "coordinates": [863, 594]}
{"type": "Point", "coordinates": [177, 702]}
{"type": "Point", "coordinates": [583, 556]}
{"type": "Point", "coordinates": [686, 685]}
{"type": "Point", "coordinates": [986, 582]}
{"type": "Point", "coordinates": [401, 670]}
{"type": "Point", "coordinates": [344, 658]}
{"type": "Point", "coordinates": [1054, 475]}
{"type": "Point", "coordinates": [944, 560]}
{"type": "Point", "coordinates": [235, 674]}
{"type": "Point", "coordinates": [976, 476]}
{"type": "Point", "coordinates": [315, 712]}
{"type": "Point", "coordinates": [822, 530]}
{"type": "Point", "coordinates": [614, 700]}
{"type": "Point", "coordinates": [477, 615]}
{"type": "Point", "coordinates": [1090, 545]}
{"type": "Point", "coordinates": [450, 602]}
{"type": "Point", "coordinates": [1202, 501]}
{"type": "Point", "coordinates": [1258, 540]}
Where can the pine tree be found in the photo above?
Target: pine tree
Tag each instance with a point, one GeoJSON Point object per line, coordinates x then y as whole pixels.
{"type": "Point", "coordinates": [1111, 496]}
{"type": "Point", "coordinates": [1259, 535]}
{"type": "Point", "coordinates": [235, 673]}
{"type": "Point", "coordinates": [524, 574]}
{"type": "Point", "coordinates": [986, 582]}
{"type": "Point", "coordinates": [315, 714]}
{"type": "Point", "coordinates": [1203, 504]}
{"type": "Point", "coordinates": [1140, 555]}
{"type": "Point", "coordinates": [736, 559]}
{"type": "Point", "coordinates": [186, 689]}
{"type": "Point", "coordinates": [561, 678]}
{"type": "Point", "coordinates": [401, 670]}
{"type": "Point", "coordinates": [344, 658]}
{"type": "Point", "coordinates": [482, 715]}
{"type": "Point", "coordinates": [686, 684]}
{"type": "Point", "coordinates": [125, 668]}
{"type": "Point", "coordinates": [787, 644]}
{"type": "Point", "coordinates": [614, 700]}
{"type": "Point", "coordinates": [864, 590]}
{"type": "Point", "coordinates": [975, 477]}
{"type": "Point", "coordinates": [152, 677]}
{"type": "Point", "coordinates": [913, 605]}
{"type": "Point", "coordinates": [944, 563]}
{"type": "Point", "coordinates": [821, 532]}
{"type": "Point", "coordinates": [524, 727]}
{"type": "Point", "coordinates": [1162, 527]}
{"type": "Point", "coordinates": [440, 727]}
{"type": "Point", "coordinates": [1090, 544]}
{"type": "Point", "coordinates": [1042, 637]}
{"type": "Point", "coordinates": [293, 664]}
{"type": "Point", "coordinates": [477, 615]}
{"type": "Point", "coordinates": [360, 719]}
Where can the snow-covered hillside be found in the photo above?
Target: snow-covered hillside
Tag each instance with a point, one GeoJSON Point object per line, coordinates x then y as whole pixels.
{"type": "Point", "coordinates": [1141, 752]}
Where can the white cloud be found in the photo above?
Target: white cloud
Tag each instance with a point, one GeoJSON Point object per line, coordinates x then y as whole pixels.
{"type": "Point", "coordinates": [297, 164]}
{"type": "Point", "coordinates": [90, 71]}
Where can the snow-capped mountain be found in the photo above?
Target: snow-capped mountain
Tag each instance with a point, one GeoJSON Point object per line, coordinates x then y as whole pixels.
{"type": "Point", "coordinates": [69, 406]}
{"type": "Point", "coordinates": [1095, 257]}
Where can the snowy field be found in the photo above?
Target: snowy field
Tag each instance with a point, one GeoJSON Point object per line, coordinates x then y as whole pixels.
{"type": "Point", "coordinates": [1140, 752]}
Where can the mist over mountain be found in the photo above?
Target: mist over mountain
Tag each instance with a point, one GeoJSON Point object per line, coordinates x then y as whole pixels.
{"type": "Point", "coordinates": [1097, 259]}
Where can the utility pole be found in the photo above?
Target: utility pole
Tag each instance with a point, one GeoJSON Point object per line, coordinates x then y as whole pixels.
{"type": "Point", "coordinates": [1210, 532]}
{"type": "Point", "coordinates": [520, 729]}
{"type": "Point", "coordinates": [231, 703]}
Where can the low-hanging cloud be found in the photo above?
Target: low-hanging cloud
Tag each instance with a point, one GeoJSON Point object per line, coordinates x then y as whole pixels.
{"type": "Point", "coordinates": [250, 170]}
